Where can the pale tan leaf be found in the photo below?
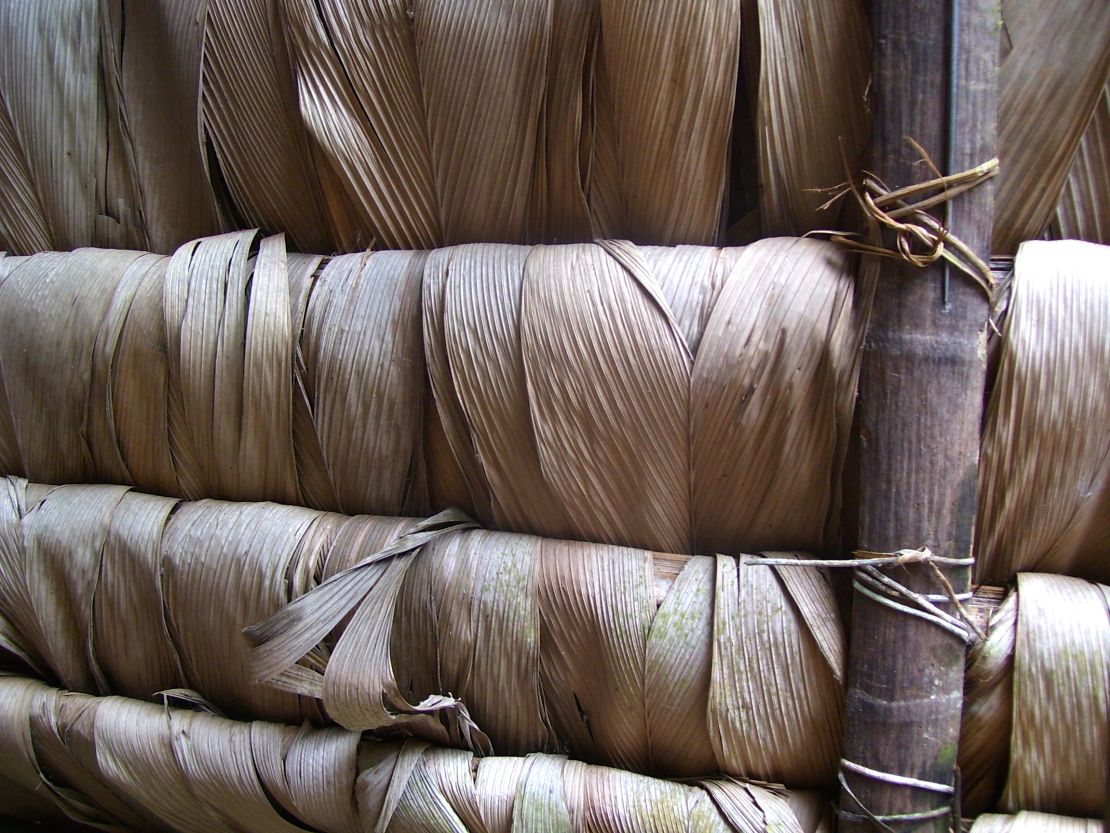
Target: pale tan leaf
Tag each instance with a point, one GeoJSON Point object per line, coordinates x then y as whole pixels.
{"type": "Point", "coordinates": [158, 48]}
{"type": "Point", "coordinates": [988, 712]}
{"type": "Point", "coordinates": [1050, 82]}
{"type": "Point", "coordinates": [482, 65]}
{"type": "Point", "coordinates": [482, 337]}
{"type": "Point", "coordinates": [1056, 342]}
{"type": "Point", "coordinates": [616, 453]}
{"type": "Point", "coordinates": [23, 228]}
{"type": "Point", "coordinates": [224, 567]}
{"type": "Point", "coordinates": [1061, 725]}
{"type": "Point", "coordinates": [811, 111]}
{"type": "Point", "coordinates": [593, 649]}
{"type": "Point", "coordinates": [62, 99]}
{"type": "Point", "coordinates": [255, 145]}
{"type": "Point", "coordinates": [678, 666]}
{"type": "Point", "coordinates": [368, 306]}
{"type": "Point", "coordinates": [1030, 822]}
{"type": "Point", "coordinates": [1083, 212]}
{"type": "Point", "coordinates": [772, 394]}
{"type": "Point", "coordinates": [361, 100]}
{"type": "Point", "coordinates": [64, 536]}
{"type": "Point", "coordinates": [764, 648]}
{"type": "Point", "coordinates": [48, 387]}
{"type": "Point", "coordinates": [129, 602]}
{"type": "Point", "coordinates": [670, 151]}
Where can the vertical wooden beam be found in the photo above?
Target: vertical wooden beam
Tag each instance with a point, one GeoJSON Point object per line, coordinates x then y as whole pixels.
{"type": "Point", "coordinates": [921, 390]}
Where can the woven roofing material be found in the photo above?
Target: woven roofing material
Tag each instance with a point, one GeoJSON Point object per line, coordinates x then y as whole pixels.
{"type": "Point", "coordinates": [654, 663]}
{"type": "Point", "coordinates": [385, 123]}
{"type": "Point", "coordinates": [685, 400]}
{"type": "Point", "coordinates": [62, 135]}
{"type": "Point", "coordinates": [1063, 47]}
{"type": "Point", "coordinates": [1044, 477]}
{"type": "Point", "coordinates": [1030, 822]}
{"type": "Point", "coordinates": [141, 766]}
{"type": "Point", "coordinates": [1083, 212]}
{"type": "Point", "coordinates": [1036, 729]}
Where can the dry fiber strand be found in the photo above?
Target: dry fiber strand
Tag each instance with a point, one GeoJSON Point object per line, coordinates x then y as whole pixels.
{"type": "Point", "coordinates": [663, 664]}
{"type": "Point", "coordinates": [1036, 728]}
{"type": "Point", "coordinates": [1029, 822]}
{"type": "Point", "coordinates": [680, 399]}
{"type": "Point", "coordinates": [350, 125]}
{"type": "Point", "coordinates": [131, 765]}
{"type": "Point", "coordinates": [1044, 480]}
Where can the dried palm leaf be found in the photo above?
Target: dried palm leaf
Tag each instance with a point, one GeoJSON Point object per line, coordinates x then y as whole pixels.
{"type": "Point", "coordinates": [1061, 709]}
{"type": "Point", "coordinates": [10, 460]}
{"type": "Point", "coordinates": [750, 731]}
{"type": "Point", "coordinates": [1029, 822]}
{"type": "Point", "coordinates": [1050, 84]}
{"type": "Point", "coordinates": [1032, 516]}
{"type": "Point", "coordinates": [368, 306]}
{"type": "Point", "coordinates": [231, 355]}
{"type": "Point", "coordinates": [1084, 209]}
{"type": "Point", "coordinates": [255, 147]}
{"type": "Point", "coordinates": [550, 644]}
{"type": "Point", "coordinates": [25, 795]}
{"type": "Point", "coordinates": [811, 111]}
{"type": "Point", "coordinates": [222, 571]}
{"type": "Point", "coordinates": [1038, 717]}
{"type": "Point", "coordinates": [64, 114]}
{"type": "Point", "coordinates": [57, 303]}
{"type": "Point", "coordinates": [772, 391]}
{"type": "Point", "coordinates": [265, 368]}
{"type": "Point", "coordinates": [23, 226]}
{"type": "Point", "coordinates": [988, 712]}
{"type": "Point", "coordinates": [63, 541]}
{"type": "Point", "coordinates": [361, 100]}
{"type": "Point", "coordinates": [616, 453]}
{"type": "Point", "coordinates": [648, 142]}
{"type": "Point", "coordinates": [482, 64]}
{"type": "Point", "coordinates": [159, 65]}
{"type": "Point", "coordinates": [129, 601]}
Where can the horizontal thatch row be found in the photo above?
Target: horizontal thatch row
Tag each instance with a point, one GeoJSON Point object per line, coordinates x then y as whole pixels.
{"type": "Point", "coordinates": [133, 766]}
{"type": "Point", "coordinates": [396, 123]}
{"type": "Point", "coordinates": [421, 123]}
{"type": "Point", "coordinates": [1036, 728]}
{"type": "Point", "coordinates": [683, 400]}
{"type": "Point", "coordinates": [660, 664]}
{"type": "Point", "coordinates": [467, 637]}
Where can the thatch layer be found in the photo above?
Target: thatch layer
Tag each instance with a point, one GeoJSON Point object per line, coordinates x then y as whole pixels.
{"type": "Point", "coordinates": [64, 145]}
{"type": "Point", "coordinates": [1056, 64]}
{"type": "Point", "coordinates": [1036, 730]}
{"type": "Point", "coordinates": [128, 765]}
{"type": "Point", "coordinates": [684, 400]}
{"type": "Point", "coordinates": [1044, 479]}
{"type": "Point", "coordinates": [393, 124]}
{"type": "Point", "coordinates": [812, 116]}
{"type": "Point", "coordinates": [1029, 822]}
{"type": "Point", "coordinates": [411, 124]}
{"type": "Point", "coordinates": [654, 663]}
{"type": "Point", "coordinates": [1083, 212]}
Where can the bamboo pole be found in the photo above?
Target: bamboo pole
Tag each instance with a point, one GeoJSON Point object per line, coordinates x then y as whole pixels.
{"type": "Point", "coordinates": [921, 391]}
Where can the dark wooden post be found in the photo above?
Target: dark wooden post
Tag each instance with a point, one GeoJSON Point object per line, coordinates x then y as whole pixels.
{"type": "Point", "coordinates": [921, 393]}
